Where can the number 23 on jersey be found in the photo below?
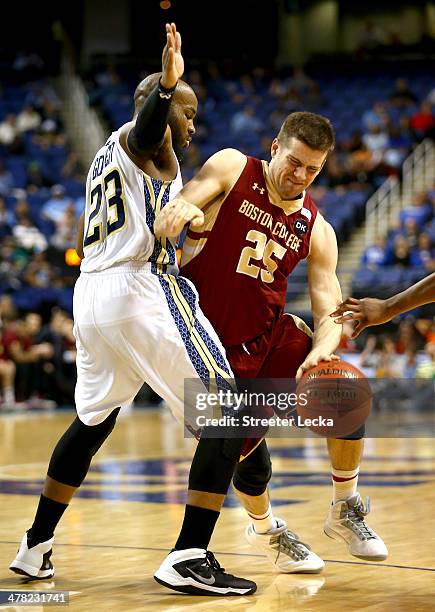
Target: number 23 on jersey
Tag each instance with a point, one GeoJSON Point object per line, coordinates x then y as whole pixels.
{"type": "Point", "coordinates": [113, 190]}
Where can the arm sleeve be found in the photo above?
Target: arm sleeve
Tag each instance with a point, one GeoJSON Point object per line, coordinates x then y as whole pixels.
{"type": "Point", "coordinates": [151, 122]}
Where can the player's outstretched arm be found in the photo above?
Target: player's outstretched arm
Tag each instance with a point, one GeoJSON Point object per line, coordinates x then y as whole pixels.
{"type": "Point", "coordinates": [152, 121]}
{"type": "Point", "coordinates": [371, 311]}
{"type": "Point", "coordinates": [325, 294]}
{"type": "Point", "coordinates": [214, 179]}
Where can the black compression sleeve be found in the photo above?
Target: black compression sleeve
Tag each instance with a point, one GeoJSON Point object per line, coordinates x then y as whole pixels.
{"type": "Point", "coordinates": [151, 122]}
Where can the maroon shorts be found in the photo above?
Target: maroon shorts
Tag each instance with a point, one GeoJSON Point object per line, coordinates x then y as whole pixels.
{"type": "Point", "coordinates": [277, 353]}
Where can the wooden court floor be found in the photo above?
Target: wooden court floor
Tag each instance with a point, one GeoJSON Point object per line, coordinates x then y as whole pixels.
{"type": "Point", "coordinates": [129, 510]}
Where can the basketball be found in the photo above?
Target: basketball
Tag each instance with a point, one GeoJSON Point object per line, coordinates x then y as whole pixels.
{"type": "Point", "coordinates": [335, 399]}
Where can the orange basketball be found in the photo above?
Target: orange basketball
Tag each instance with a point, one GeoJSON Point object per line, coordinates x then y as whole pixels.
{"type": "Point", "coordinates": [334, 399]}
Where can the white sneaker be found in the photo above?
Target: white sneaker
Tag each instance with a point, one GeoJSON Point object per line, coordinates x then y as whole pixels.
{"type": "Point", "coordinates": [284, 549]}
{"type": "Point", "coordinates": [345, 522]}
{"type": "Point", "coordinates": [34, 562]}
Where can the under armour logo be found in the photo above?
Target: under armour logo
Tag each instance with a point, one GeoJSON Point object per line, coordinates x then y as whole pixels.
{"type": "Point", "coordinates": [260, 189]}
{"type": "Point", "coordinates": [165, 96]}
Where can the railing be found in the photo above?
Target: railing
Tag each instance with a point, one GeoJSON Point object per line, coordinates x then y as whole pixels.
{"type": "Point", "coordinates": [418, 171]}
{"type": "Point", "coordinates": [83, 125]}
{"type": "Point", "coordinates": [383, 208]}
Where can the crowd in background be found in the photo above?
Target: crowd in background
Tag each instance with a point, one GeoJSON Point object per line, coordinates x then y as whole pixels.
{"type": "Point", "coordinates": [37, 360]}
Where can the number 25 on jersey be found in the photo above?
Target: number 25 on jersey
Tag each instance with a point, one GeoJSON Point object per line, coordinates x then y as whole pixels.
{"type": "Point", "coordinates": [116, 214]}
{"type": "Point", "coordinates": [261, 252]}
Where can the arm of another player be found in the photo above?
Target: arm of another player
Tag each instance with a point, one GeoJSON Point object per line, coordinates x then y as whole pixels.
{"type": "Point", "coordinates": [215, 178]}
{"type": "Point", "coordinates": [371, 311]}
{"type": "Point", "coordinates": [80, 236]}
{"type": "Point", "coordinates": [152, 121]}
{"type": "Point", "coordinates": [325, 294]}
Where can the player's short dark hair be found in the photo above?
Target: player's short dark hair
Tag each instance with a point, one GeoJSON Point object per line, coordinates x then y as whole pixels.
{"type": "Point", "coordinates": [314, 130]}
{"type": "Point", "coordinates": [146, 86]}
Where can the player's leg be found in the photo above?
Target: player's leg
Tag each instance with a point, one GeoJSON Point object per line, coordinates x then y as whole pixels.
{"type": "Point", "coordinates": [288, 348]}
{"type": "Point", "coordinates": [104, 380]}
{"type": "Point", "coordinates": [68, 467]}
{"type": "Point", "coordinates": [346, 518]}
{"type": "Point", "coordinates": [188, 349]}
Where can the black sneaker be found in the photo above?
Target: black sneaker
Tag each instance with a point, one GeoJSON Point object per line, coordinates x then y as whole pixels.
{"type": "Point", "coordinates": [197, 572]}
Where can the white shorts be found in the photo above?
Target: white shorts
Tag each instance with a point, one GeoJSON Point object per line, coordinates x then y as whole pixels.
{"type": "Point", "coordinates": [133, 326]}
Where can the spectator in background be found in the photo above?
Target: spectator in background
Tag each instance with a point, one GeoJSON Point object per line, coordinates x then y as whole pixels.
{"type": "Point", "coordinates": [36, 179]}
{"type": "Point", "coordinates": [73, 168]}
{"type": "Point", "coordinates": [376, 141]}
{"type": "Point", "coordinates": [374, 255]}
{"type": "Point", "coordinates": [55, 207]}
{"type": "Point", "coordinates": [401, 255]}
{"type": "Point", "coordinates": [8, 312]}
{"type": "Point", "coordinates": [28, 119]}
{"type": "Point", "coordinates": [6, 180]}
{"type": "Point", "coordinates": [11, 264]}
{"type": "Point", "coordinates": [66, 230]}
{"type": "Point", "coordinates": [420, 210]}
{"type": "Point", "coordinates": [28, 236]}
{"type": "Point", "coordinates": [65, 354]}
{"type": "Point", "coordinates": [426, 369]}
{"type": "Point", "coordinates": [411, 231]}
{"type": "Point", "coordinates": [390, 365]}
{"type": "Point", "coordinates": [245, 122]}
{"type": "Point", "coordinates": [376, 116]}
{"type": "Point", "coordinates": [402, 96]}
{"type": "Point", "coordinates": [18, 340]}
{"type": "Point", "coordinates": [51, 121]}
{"type": "Point", "coordinates": [423, 255]}
{"type": "Point", "coordinates": [422, 122]}
{"type": "Point", "coordinates": [8, 131]}
{"type": "Point", "coordinates": [39, 272]}
{"type": "Point", "coordinates": [7, 380]}
{"type": "Point", "coordinates": [406, 337]}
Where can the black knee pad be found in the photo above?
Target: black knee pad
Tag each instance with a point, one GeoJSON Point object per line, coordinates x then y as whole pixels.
{"type": "Point", "coordinates": [356, 435]}
{"type": "Point", "coordinates": [72, 455]}
{"type": "Point", "coordinates": [213, 464]}
{"type": "Point", "coordinates": [252, 475]}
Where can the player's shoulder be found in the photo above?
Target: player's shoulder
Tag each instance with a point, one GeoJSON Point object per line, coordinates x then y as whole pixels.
{"type": "Point", "coordinates": [323, 233]}
{"type": "Point", "coordinates": [228, 157]}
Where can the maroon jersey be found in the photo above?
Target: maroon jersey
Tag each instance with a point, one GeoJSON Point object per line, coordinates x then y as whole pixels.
{"type": "Point", "coordinates": [240, 259]}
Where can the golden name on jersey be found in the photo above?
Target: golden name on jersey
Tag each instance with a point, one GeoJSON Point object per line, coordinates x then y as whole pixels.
{"type": "Point", "coordinates": [102, 161]}
{"type": "Point", "coordinates": [265, 219]}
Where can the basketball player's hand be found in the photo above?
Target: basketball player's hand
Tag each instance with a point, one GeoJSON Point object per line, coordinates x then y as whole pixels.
{"type": "Point", "coordinates": [172, 60]}
{"type": "Point", "coordinates": [174, 216]}
{"type": "Point", "coordinates": [313, 359]}
{"type": "Point", "coordinates": [366, 312]}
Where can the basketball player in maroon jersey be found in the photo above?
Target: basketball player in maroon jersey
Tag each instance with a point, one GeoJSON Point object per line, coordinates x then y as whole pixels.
{"type": "Point", "coordinates": [258, 222]}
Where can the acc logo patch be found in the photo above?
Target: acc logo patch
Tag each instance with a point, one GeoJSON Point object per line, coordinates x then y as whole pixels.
{"type": "Point", "coordinates": [301, 227]}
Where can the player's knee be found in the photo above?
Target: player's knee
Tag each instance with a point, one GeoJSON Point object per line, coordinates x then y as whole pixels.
{"type": "Point", "coordinates": [213, 464]}
{"type": "Point", "coordinates": [253, 474]}
{"type": "Point", "coordinates": [73, 453]}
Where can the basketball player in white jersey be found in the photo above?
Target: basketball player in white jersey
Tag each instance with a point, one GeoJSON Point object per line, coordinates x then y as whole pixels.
{"type": "Point", "coordinates": [136, 320]}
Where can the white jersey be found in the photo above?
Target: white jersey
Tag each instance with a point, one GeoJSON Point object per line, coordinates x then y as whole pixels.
{"type": "Point", "coordinates": [121, 204]}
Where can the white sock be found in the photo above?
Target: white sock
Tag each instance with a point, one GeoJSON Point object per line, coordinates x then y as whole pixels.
{"type": "Point", "coordinates": [9, 395]}
{"type": "Point", "coordinates": [344, 483]}
{"type": "Point", "coordinates": [263, 522]}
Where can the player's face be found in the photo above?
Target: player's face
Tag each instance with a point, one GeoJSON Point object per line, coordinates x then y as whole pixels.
{"type": "Point", "coordinates": [294, 167]}
{"type": "Point", "coordinates": [181, 118]}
